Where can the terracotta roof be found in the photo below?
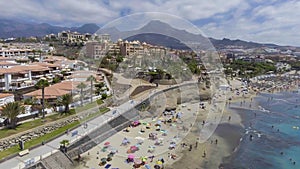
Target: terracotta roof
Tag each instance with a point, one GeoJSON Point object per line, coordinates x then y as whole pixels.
{"type": "Point", "coordinates": [3, 95]}
{"type": "Point", "coordinates": [23, 69]}
{"type": "Point", "coordinates": [66, 85]}
{"type": "Point", "coordinates": [45, 64]}
{"type": "Point", "coordinates": [4, 63]}
{"type": "Point", "coordinates": [6, 58]}
{"type": "Point", "coordinates": [55, 90]}
{"type": "Point", "coordinates": [50, 92]}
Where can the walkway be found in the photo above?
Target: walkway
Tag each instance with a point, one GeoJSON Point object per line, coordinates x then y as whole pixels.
{"type": "Point", "coordinates": [79, 132]}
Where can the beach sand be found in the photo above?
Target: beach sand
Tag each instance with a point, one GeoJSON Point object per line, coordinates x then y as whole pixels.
{"type": "Point", "coordinates": [193, 116]}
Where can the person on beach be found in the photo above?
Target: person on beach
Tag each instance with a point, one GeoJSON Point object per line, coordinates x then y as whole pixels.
{"type": "Point", "coordinates": [204, 154]}
{"type": "Point", "coordinates": [229, 118]}
{"type": "Point", "coordinates": [216, 141]}
{"type": "Point", "coordinates": [196, 145]}
{"type": "Point", "coordinates": [151, 158]}
{"type": "Point", "coordinates": [191, 147]}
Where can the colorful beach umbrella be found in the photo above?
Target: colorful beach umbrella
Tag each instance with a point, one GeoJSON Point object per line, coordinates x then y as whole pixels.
{"type": "Point", "coordinates": [158, 162]}
{"type": "Point", "coordinates": [144, 159]}
{"type": "Point", "coordinates": [107, 143]}
{"type": "Point", "coordinates": [131, 156]}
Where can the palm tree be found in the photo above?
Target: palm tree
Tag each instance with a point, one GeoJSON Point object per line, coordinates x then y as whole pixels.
{"type": "Point", "coordinates": [64, 142]}
{"type": "Point", "coordinates": [11, 111]}
{"type": "Point", "coordinates": [65, 100]}
{"type": "Point", "coordinates": [34, 51]}
{"type": "Point", "coordinates": [81, 86]}
{"type": "Point", "coordinates": [41, 84]}
{"type": "Point", "coordinates": [92, 79]}
{"type": "Point", "coordinates": [40, 54]}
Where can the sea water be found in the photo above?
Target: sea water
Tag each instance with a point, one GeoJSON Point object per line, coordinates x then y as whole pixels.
{"type": "Point", "coordinates": [275, 132]}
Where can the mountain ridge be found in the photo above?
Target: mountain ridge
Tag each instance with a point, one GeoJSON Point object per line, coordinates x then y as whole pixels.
{"type": "Point", "coordinates": [16, 28]}
{"type": "Point", "coordinates": [10, 28]}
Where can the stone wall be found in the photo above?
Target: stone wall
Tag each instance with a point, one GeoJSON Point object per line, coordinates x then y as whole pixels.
{"type": "Point", "coordinates": [37, 132]}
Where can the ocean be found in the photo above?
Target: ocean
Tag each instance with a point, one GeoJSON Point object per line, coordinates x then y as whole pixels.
{"type": "Point", "coordinates": [271, 137]}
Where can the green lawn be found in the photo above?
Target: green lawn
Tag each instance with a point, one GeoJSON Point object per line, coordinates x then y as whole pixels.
{"type": "Point", "coordinates": [89, 105]}
{"type": "Point", "coordinates": [31, 124]}
{"type": "Point", "coordinates": [49, 136]}
{"type": "Point", "coordinates": [36, 141]}
{"type": "Point", "coordinates": [38, 122]}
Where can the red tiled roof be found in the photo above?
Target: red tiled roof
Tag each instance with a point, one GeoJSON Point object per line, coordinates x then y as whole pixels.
{"type": "Point", "coordinates": [3, 95]}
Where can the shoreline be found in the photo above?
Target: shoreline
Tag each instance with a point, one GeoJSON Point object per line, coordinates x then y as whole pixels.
{"type": "Point", "coordinates": [247, 104]}
{"type": "Point", "coordinates": [228, 134]}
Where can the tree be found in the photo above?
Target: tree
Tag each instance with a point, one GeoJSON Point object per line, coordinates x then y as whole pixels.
{"type": "Point", "coordinates": [11, 111]}
{"type": "Point", "coordinates": [41, 84]}
{"type": "Point", "coordinates": [65, 100]}
{"type": "Point", "coordinates": [91, 79]}
{"type": "Point", "coordinates": [56, 79]}
{"type": "Point", "coordinates": [33, 51]}
{"type": "Point", "coordinates": [65, 143]}
{"type": "Point", "coordinates": [81, 86]}
{"type": "Point", "coordinates": [103, 96]}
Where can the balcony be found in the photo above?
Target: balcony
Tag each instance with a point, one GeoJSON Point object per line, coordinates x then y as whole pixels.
{"type": "Point", "coordinates": [55, 71]}
{"type": "Point", "coordinates": [37, 76]}
{"type": "Point", "coordinates": [18, 79]}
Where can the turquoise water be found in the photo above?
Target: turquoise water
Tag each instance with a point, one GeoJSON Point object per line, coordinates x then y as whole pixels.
{"type": "Point", "coordinates": [276, 139]}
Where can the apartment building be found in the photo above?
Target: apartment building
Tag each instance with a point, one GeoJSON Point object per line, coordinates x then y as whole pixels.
{"type": "Point", "coordinates": [71, 36]}
{"type": "Point", "coordinates": [97, 50]}
{"type": "Point", "coordinates": [24, 76]}
{"type": "Point", "coordinates": [102, 38]}
{"type": "Point", "coordinates": [4, 52]}
{"type": "Point", "coordinates": [138, 48]}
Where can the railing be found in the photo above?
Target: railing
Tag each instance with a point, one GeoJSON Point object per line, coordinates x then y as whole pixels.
{"type": "Point", "coordinates": [19, 79]}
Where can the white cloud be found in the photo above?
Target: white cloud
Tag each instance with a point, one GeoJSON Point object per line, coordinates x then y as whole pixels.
{"type": "Point", "coordinates": [62, 12]}
{"type": "Point", "coordinates": [274, 21]}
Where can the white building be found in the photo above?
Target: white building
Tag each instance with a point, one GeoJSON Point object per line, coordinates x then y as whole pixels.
{"type": "Point", "coordinates": [6, 98]}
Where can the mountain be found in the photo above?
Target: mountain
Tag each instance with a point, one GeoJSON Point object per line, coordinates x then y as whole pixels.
{"type": "Point", "coordinates": [159, 40]}
{"type": "Point", "coordinates": [13, 28]}
{"type": "Point", "coordinates": [220, 44]}
{"type": "Point", "coordinates": [86, 28]}
{"type": "Point", "coordinates": [154, 32]}
{"type": "Point", "coordinates": [159, 33]}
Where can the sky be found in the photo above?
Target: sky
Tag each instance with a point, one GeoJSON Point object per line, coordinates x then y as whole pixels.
{"type": "Point", "coordinates": [264, 21]}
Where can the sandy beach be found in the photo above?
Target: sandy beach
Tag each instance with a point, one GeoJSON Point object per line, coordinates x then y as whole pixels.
{"type": "Point", "coordinates": [181, 133]}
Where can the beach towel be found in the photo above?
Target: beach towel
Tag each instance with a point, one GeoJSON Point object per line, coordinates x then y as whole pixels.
{"type": "Point", "coordinates": [147, 166]}
{"type": "Point", "coordinates": [107, 165]}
